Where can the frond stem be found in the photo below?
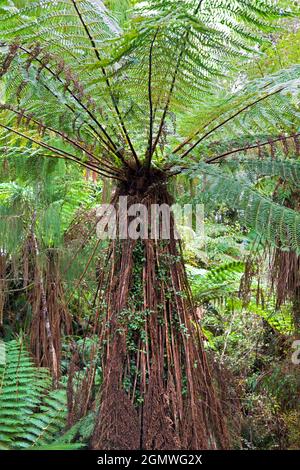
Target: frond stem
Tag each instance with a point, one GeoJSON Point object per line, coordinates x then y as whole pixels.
{"type": "Point", "coordinates": [149, 149]}
{"type": "Point", "coordinates": [107, 83]}
{"type": "Point", "coordinates": [250, 147]}
{"type": "Point", "coordinates": [207, 134]}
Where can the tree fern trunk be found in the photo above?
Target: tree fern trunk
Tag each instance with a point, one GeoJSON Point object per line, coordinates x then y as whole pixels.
{"type": "Point", "coordinates": [157, 387]}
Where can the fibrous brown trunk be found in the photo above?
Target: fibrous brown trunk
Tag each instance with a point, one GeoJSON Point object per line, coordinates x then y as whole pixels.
{"type": "Point", "coordinates": [157, 388]}
{"type": "Point", "coordinates": [3, 267]}
{"type": "Point", "coordinates": [50, 316]}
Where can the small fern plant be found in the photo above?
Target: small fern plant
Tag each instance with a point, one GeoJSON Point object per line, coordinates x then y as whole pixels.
{"type": "Point", "coordinates": [32, 416]}
{"type": "Point", "coordinates": [217, 283]}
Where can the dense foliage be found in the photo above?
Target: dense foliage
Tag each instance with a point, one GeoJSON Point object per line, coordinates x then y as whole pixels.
{"type": "Point", "coordinates": [191, 101]}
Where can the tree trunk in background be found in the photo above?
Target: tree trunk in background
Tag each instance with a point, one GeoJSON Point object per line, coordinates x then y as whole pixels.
{"type": "Point", "coordinates": [106, 190]}
{"type": "Point", "coordinates": [2, 286]}
{"type": "Point", "coordinates": [50, 317]}
{"type": "Point", "coordinates": [296, 310]}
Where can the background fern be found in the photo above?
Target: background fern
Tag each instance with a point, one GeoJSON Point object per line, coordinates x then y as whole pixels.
{"type": "Point", "coordinates": [217, 283]}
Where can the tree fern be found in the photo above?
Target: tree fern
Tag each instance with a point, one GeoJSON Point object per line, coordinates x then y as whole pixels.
{"type": "Point", "coordinates": [114, 100]}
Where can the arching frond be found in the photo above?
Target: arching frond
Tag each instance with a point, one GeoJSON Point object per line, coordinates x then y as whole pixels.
{"type": "Point", "coordinates": [288, 170]}
{"type": "Point", "coordinates": [272, 222]}
{"type": "Point", "coordinates": [31, 415]}
{"type": "Point", "coordinates": [217, 283]}
{"type": "Point", "coordinates": [189, 44]}
{"type": "Point", "coordinates": [259, 112]}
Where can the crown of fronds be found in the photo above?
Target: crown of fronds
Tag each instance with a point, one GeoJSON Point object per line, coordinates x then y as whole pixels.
{"type": "Point", "coordinates": [113, 97]}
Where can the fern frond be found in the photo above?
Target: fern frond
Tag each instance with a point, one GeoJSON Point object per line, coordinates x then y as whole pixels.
{"type": "Point", "coordinates": [216, 283]}
{"type": "Point", "coordinates": [253, 114]}
{"type": "Point", "coordinates": [272, 222]}
{"type": "Point", "coordinates": [187, 45]}
{"type": "Point", "coordinates": [288, 170]}
{"type": "Point", "coordinates": [31, 415]}
{"type": "Point", "coordinates": [80, 433]}
{"type": "Point", "coordinates": [167, 58]}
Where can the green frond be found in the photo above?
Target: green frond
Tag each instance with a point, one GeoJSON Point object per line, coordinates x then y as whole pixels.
{"type": "Point", "coordinates": [80, 432]}
{"type": "Point", "coordinates": [52, 189]}
{"type": "Point", "coordinates": [288, 170]}
{"type": "Point", "coordinates": [258, 112]}
{"type": "Point", "coordinates": [179, 49]}
{"type": "Point", "coordinates": [280, 320]}
{"type": "Point", "coordinates": [216, 283]}
{"type": "Point", "coordinates": [192, 44]}
{"type": "Point", "coordinates": [31, 414]}
{"type": "Point", "coordinates": [272, 222]}
{"type": "Point", "coordinates": [58, 24]}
